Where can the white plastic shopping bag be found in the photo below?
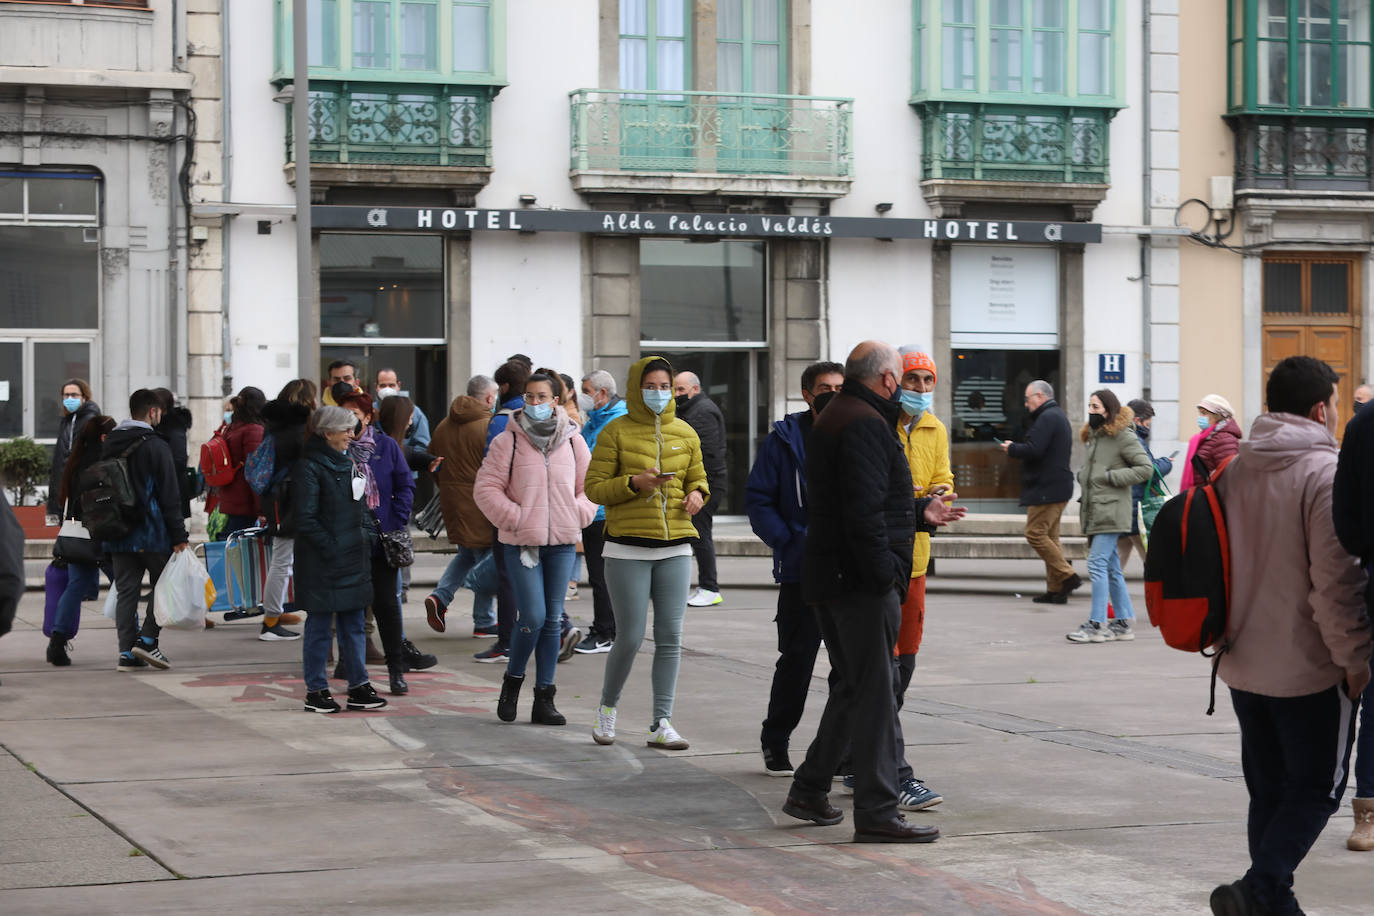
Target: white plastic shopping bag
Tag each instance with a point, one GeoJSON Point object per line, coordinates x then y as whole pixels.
{"type": "Point", "coordinates": [184, 593]}
{"type": "Point", "coordinates": [111, 602]}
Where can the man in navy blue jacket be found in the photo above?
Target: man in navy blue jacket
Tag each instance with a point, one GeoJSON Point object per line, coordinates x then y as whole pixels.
{"type": "Point", "coordinates": [775, 498]}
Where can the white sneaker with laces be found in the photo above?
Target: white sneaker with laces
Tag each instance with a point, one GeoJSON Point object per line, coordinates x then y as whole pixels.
{"type": "Point", "coordinates": [604, 733]}
{"type": "Point", "coordinates": [703, 598]}
{"type": "Point", "coordinates": [664, 736]}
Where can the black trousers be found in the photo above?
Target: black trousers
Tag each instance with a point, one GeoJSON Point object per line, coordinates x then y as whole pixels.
{"type": "Point", "coordinates": [904, 666]}
{"type": "Point", "coordinates": [860, 632]}
{"type": "Point", "coordinates": [386, 611]}
{"type": "Point", "coordinates": [603, 616]}
{"type": "Point", "coordinates": [704, 547]}
{"type": "Point", "coordinates": [505, 596]}
{"type": "Point", "coordinates": [128, 580]}
{"type": "Point", "coordinates": [1296, 755]}
{"type": "Point", "coordinates": [799, 639]}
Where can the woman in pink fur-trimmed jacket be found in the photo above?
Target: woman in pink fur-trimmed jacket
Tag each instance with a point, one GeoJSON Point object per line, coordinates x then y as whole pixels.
{"type": "Point", "coordinates": [530, 488]}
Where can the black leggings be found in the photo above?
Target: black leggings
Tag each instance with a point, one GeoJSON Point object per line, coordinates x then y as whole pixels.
{"type": "Point", "coordinates": [386, 610]}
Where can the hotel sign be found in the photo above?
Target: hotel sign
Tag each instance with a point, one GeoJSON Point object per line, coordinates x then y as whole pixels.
{"type": "Point", "coordinates": [713, 225]}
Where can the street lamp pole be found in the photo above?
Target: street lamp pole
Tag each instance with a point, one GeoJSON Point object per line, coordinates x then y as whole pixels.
{"type": "Point", "coordinates": [307, 323]}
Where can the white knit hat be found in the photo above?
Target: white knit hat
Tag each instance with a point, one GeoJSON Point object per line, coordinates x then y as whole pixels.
{"type": "Point", "coordinates": [1217, 405]}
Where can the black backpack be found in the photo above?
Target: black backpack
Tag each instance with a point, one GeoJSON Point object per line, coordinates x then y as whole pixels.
{"type": "Point", "coordinates": [110, 507]}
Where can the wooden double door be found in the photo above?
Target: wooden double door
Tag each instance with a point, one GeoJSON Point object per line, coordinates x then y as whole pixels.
{"type": "Point", "coordinates": [1312, 308]}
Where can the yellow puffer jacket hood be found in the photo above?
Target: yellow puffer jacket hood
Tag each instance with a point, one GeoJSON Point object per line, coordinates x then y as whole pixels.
{"type": "Point", "coordinates": [634, 443]}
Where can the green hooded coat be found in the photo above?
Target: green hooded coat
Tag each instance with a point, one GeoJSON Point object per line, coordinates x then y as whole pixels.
{"type": "Point", "coordinates": [1114, 461]}
{"type": "Point", "coordinates": [634, 443]}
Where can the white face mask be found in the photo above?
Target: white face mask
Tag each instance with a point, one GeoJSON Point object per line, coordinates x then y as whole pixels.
{"type": "Point", "coordinates": [383, 393]}
{"type": "Point", "coordinates": [359, 487]}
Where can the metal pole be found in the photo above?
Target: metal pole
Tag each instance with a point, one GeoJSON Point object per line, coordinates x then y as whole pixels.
{"type": "Point", "coordinates": [307, 326]}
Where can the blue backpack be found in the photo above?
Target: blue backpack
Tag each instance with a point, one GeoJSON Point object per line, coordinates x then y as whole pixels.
{"type": "Point", "coordinates": [257, 470]}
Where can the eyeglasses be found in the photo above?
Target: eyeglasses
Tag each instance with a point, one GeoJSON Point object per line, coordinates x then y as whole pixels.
{"type": "Point", "coordinates": [540, 398]}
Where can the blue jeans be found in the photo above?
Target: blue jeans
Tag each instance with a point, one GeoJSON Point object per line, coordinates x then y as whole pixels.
{"type": "Point", "coordinates": [457, 575]}
{"type": "Point", "coordinates": [315, 648]}
{"type": "Point", "coordinates": [1364, 746]}
{"type": "Point", "coordinates": [1104, 566]}
{"type": "Point", "coordinates": [81, 580]}
{"type": "Point", "coordinates": [539, 594]}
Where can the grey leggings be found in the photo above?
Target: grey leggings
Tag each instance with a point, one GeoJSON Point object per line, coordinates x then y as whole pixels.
{"type": "Point", "coordinates": [632, 583]}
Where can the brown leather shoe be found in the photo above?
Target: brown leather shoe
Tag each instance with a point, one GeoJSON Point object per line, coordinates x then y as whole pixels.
{"type": "Point", "coordinates": [289, 619]}
{"type": "Point", "coordinates": [374, 656]}
{"type": "Point", "coordinates": [1070, 584]}
{"type": "Point", "coordinates": [897, 830]}
{"type": "Point", "coordinates": [821, 812]}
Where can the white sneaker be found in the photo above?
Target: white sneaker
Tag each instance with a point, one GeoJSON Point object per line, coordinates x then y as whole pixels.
{"type": "Point", "coordinates": [665, 737]}
{"type": "Point", "coordinates": [702, 598]}
{"type": "Point", "coordinates": [604, 733]}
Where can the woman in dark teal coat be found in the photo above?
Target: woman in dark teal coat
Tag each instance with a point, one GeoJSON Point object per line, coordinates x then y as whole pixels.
{"type": "Point", "coordinates": [332, 562]}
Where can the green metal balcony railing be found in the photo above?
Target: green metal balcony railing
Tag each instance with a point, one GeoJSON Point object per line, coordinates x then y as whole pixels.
{"type": "Point", "coordinates": [748, 134]}
{"type": "Point", "coordinates": [1303, 153]}
{"type": "Point", "coordinates": [384, 123]}
{"type": "Point", "coordinates": [1014, 143]}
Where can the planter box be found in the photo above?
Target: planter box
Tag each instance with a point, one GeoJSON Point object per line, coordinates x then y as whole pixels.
{"type": "Point", "coordinates": [32, 520]}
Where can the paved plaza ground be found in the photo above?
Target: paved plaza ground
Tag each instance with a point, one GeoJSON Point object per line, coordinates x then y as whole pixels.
{"type": "Point", "coordinates": [1077, 778]}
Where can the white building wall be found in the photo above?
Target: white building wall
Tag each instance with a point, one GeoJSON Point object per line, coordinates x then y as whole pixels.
{"type": "Point", "coordinates": [262, 274]}
{"type": "Point", "coordinates": [527, 289]}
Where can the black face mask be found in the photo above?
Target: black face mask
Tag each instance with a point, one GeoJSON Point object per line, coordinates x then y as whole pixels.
{"type": "Point", "coordinates": [682, 400]}
{"type": "Point", "coordinates": [1356, 406]}
{"type": "Point", "coordinates": [819, 401]}
{"type": "Point", "coordinates": [357, 429]}
{"type": "Point", "coordinates": [1096, 420]}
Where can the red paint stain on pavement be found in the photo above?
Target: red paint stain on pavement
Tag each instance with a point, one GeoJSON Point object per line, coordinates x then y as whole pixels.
{"type": "Point", "coordinates": [738, 867]}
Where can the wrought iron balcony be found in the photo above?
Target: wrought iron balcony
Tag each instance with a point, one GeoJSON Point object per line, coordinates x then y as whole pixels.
{"type": "Point", "coordinates": [973, 142]}
{"type": "Point", "coordinates": [712, 132]}
{"type": "Point", "coordinates": [1331, 154]}
{"type": "Point", "coordinates": [383, 123]}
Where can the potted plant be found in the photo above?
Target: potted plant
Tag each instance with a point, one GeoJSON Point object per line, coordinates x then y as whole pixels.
{"type": "Point", "coordinates": [23, 467]}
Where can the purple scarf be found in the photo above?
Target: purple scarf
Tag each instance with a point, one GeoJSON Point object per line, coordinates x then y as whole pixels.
{"type": "Point", "coordinates": [360, 450]}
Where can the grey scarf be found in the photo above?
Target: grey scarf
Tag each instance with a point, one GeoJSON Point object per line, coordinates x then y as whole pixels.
{"type": "Point", "coordinates": [542, 433]}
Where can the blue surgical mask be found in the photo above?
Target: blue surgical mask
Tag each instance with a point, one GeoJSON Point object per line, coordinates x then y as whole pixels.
{"type": "Point", "coordinates": [1203, 422]}
{"type": "Point", "coordinates": [539, 412]}
{"type": "Point", "coordinates": [228, 416]}
{"type": "Point", "coordinates": [71, 404]}
{"type": "Point", "coordinates": [915, 403]}
{"type": "Point", "coordinates": [655, 399]}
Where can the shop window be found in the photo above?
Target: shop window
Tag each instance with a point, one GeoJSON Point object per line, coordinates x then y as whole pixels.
{"type": "Point", "coordinates": [704, 307]}
{"type": "Point", "coordinates": [381, 286]}
{"type": "Point", "coordinates": [49, 294]}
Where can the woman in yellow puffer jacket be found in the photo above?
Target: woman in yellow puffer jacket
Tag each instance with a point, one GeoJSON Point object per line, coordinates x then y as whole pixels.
{"type": "Point", "coordinates": [647, 471]}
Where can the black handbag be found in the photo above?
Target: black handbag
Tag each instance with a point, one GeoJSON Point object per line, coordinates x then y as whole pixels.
{"type": "Point", "coordinates": [74, 544]}
{"type": "Point", "coordinates": [397, 546]}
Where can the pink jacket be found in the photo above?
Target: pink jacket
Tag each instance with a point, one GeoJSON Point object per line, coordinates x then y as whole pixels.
{"type": "Point", "coordinates": [1297, 623]}
{"type": "Point", "coordinates": [535, 500]}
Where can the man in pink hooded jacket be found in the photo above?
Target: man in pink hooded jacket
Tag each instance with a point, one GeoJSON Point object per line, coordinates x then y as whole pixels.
{"type": "Point", "coordinates": [1297, 636]}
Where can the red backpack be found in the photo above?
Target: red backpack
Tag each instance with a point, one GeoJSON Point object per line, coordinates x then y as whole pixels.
{"type": "Point", "coordinates": [216, 462]}
{"type": "Point", "coordinates": [1188, 573]}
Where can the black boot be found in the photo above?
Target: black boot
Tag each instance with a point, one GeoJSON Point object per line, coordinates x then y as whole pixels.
{"type": "Point", "coordinates": [57, 649]}
{"type": "Point", "coordinates": [399, 687]}
{"type": "Point", "coordinates": [544, 712]}
{"type": "Point", "coordinates": [510, 695]}
{"type": "Point", "coordinates": [414, 659]}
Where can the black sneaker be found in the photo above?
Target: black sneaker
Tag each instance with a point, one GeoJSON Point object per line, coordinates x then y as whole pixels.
{"type": "Point", "coordinates": [129, 662]}
{"type": "Point", "coordinates": [594, 644]}
{"type": "Point", "coordinates": [364, 697]}
{"type": "Point", "coordinates": [414, 659]}
{"type": "Point", "coordinates": [497, 653]}
{"type": "Point", "coordinates": [150, 653]}
{"type": "Point", "coordinates": [776, 762]}
{"type": "Point", "coordinates": [321, 701]}
{"type": "Point", "coordinates": [277, 632]}
{"type": "Point", "coordinates": [57, 650]}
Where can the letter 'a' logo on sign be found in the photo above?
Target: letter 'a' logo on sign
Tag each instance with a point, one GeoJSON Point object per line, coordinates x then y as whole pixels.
{"type": "Point", "coordinates": [1054, 233]}
{"type": "Point", "coordinates": [376, 219]}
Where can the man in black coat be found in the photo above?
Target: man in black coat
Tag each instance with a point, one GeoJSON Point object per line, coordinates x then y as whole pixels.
{"type": "Point", "coordinates": [1046, 487]}
{"type": "Point", "coordinates": [856, 568]}
{"type": "Point", "coordinates": [702, 414]}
